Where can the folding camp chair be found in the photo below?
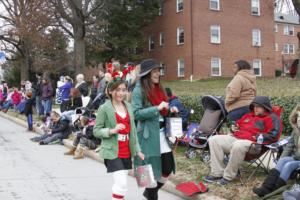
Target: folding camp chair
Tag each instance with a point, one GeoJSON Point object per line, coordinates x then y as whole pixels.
{"type": "Point", "coordinates": [258, 154]}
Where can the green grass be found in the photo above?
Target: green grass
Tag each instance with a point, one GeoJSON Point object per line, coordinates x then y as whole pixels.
{"type": "Point", "coordinates": [278, 87]}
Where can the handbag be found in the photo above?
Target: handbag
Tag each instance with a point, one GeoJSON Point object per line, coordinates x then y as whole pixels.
{"type": "Point", "coordinates": [144, 176]}
{"type": "Point", "coordinates": [174, 127]}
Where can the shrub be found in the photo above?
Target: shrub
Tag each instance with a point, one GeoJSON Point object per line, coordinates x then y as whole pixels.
{"type": "Point", "coordinates": [288, 103]}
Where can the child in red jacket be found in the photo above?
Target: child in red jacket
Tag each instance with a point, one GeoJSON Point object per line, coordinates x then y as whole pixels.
{"type": "Point", "coordinates": [260, 122]}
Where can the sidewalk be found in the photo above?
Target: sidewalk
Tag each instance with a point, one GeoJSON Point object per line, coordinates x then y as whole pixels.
{"type": "Point", "coordinates": [169, 186]}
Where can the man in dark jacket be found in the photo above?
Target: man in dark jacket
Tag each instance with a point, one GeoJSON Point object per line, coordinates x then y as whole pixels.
{"type": "Point", "coordinates": [47, 94]}
{"type": "Point", "coordinates": [81, 85]}
{"type": "Point", "coordinates": [260, 123]}
{"type": "Point", "coordinates": [60, 130]}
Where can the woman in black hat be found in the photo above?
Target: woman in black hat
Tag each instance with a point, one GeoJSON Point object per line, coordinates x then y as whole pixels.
{"type": "Point", "coordinates": [151, 107]}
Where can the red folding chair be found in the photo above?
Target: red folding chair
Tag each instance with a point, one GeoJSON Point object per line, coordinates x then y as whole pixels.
{"type": "Point", "coordinates": [258, 153]}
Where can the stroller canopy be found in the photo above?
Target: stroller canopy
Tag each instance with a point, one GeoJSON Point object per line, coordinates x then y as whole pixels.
{"type": "Point", "coordinates": [214, 103]}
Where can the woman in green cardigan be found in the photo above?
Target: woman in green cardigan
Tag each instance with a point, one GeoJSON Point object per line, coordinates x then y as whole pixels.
{"type": "Point", "coordinates": [115, 126]}
{"type": "Point", "coordinates": [150, 109]}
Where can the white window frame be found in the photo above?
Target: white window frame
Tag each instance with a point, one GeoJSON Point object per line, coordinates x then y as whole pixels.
{"type": "Point", "coordinates": [288, 29]}
{"type": "Point", "coordinates": [162, 69]}
{"type": "Point", "coordinates": [179, 67]}
{"type": "Point", "coordinates": [179, 29]}
{"type": "Point", "coordinates": [259, 66]}
{"type": "Point", "coordinates": [161, 8]}
{"type": "Point", "coordinates": [256, 43]}
{"type": "Point", "coordinates": [212, 37]}
{"type": "Point", "coordinates": [161, 39]}
{"type": "Point", "coordinates": [276, 47]}
{"type": "Point", "coordinates": [178, 2]}
{"type": "Point", "coordinates": [287, 49]}
{"type": "Point", "coordinates": [276, 28]}
{"type": "Point", "coordinates": [253, 6]}
{"type": "Point", "coordinates": [150, 41]}
{"type": "Point", "coordinates": [212, 61]}
{"type": "Point", "coordinates": [214, 1]}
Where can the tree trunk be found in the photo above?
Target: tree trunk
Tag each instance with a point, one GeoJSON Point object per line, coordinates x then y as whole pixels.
{"type": "Point", "coordinates": [25, 69]}
{"type": "Point", "coordinates": [79, 49]}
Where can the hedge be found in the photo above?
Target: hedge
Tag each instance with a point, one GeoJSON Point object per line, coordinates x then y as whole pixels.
{"type": "Point", "coordinates": [288, 103]}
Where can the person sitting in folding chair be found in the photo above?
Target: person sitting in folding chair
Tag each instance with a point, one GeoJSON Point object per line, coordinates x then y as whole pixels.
{"type": "Point", "coordinates": [260, 121]}
{"type": "Point", "coordinates": [289, 160]}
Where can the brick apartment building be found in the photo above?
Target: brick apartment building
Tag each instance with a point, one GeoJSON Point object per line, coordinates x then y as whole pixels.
{"type": "Point", "coordinates": [286, 42]}
{"type": "Point", "coordinates": [203, 38]}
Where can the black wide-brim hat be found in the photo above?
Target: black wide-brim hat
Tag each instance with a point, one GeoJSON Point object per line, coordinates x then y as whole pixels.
{"type": "Point", "coordinates": [147, 66]}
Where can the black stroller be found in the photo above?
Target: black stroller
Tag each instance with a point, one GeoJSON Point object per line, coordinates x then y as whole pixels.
{"type": "Point", "coordinates": [213, 118]}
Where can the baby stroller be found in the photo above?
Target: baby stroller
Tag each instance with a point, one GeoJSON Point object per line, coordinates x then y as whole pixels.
{"type": "Point", "coordinates": [211, 122]}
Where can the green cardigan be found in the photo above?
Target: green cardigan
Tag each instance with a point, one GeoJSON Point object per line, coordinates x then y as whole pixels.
{"type": "Point", "coordinates": [148, 130]}
{"type": "Point", "coordinates": [291, 148]}
{"type": "Point", "coordinates": [106, 120]}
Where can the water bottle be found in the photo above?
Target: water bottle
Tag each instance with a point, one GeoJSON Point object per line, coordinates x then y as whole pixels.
{"type": "Point", "coordinates": [260, 139]}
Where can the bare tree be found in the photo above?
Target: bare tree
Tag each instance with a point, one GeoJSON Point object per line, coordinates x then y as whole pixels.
{"type": "Point", "coordinates": [79, 14]}
{"type": "Point", "coordinates": [24, 23]}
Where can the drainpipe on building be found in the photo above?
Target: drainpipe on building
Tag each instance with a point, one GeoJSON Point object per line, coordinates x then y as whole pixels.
{"type": "Point", "coordinates": [192, 52]}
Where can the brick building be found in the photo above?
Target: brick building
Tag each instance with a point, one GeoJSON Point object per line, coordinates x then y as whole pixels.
{"type": "Point", "coordinates": [286, 42]}
{"type": "Point", "coordinates": [203, 38]}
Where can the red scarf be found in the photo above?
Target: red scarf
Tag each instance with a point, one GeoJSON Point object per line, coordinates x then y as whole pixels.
{"type": "Point", "coordinates": [156, 96]}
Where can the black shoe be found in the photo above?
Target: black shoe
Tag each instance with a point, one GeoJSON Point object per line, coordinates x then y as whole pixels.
{"type": "Point", "coordinates": [42, 143]}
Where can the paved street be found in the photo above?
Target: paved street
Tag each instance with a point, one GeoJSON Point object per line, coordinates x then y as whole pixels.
{"type": "Point", "coordinates": [29, 171]}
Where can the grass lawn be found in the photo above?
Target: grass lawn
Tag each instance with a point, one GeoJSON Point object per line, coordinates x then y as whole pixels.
{"type": "Point", "coordinates": [277, 87]}
{"type": "Point", "coordinates": [195, 170]}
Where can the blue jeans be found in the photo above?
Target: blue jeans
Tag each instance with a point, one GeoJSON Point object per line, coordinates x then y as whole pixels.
{"type": "Point", "coordinates": [47, 105]}
{"type": "Point", "coordinates": [47, 138]}
{"type": "Point", "coordinates": [29, 121]}
{"type": "Point", "coordinates": [238, 113]}
{"type": "Point", "coordinates": [286, 166]}
{"type": "Point", "coordinates": [38, 106]}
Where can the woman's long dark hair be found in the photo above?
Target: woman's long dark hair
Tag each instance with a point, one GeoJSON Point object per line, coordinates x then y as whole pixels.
{"type": "Point", "coordinates": [147, 85]}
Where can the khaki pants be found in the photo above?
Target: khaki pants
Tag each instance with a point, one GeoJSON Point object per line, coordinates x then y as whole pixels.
{"type": "Point", "coordinates": [220, 145]}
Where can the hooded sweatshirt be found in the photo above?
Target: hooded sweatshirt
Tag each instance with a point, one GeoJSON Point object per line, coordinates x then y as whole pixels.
{"type": "Point", "coordinates": [251, 125]}
{"type": "Point", "coordinates": [241, 90]}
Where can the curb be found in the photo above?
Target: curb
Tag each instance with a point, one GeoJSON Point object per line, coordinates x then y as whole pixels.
{"type": "Point", "coordinates": [169, 186]}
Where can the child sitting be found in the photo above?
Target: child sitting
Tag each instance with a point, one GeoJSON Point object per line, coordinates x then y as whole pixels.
{"type": "Point", "coordinates": [84, 139]}
{"type": "Point", "coordinates": [59, 130]}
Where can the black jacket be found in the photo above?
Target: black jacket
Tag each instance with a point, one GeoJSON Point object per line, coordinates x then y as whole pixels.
{"type": "Point", "coordinates": [28, 107]}
{"type": "Point", "coordinates": [62, 126]}
{"type": "Point", "coordinates": [75, 103]}
{"type": "Point", "coordinates": [89, 135]}
{"type": "Point", "coordinates": [83, 89]}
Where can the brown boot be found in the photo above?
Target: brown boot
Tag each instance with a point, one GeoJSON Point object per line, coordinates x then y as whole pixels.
{"type": "Point", "coordinates": [70, 152]}
{"type": "Point", "coordinates": [78, 153]}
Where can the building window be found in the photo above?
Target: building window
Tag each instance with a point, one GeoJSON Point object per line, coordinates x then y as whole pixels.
{"type": "Point", "coordinates": [161, 39]}
{"type": "Point", "coordinates": [162, 69]}
{"type": "Point", "coordinates": [288, 30]}
{"type": "Point", "coordinates": [257, 67]}
{"type": "Point", "coordinates": [180, 35]}
{"type": "Point", "coordinates": [215, 64]}
{"type": "Point", "coordinates": [161, 8]}
{"type": "Point", "coordinates": [179, 5]}
{"type": "Point", "coordinates": [151, 43]}
{"type": "Point", "coordinates": [256, 38]}
{"type": "Point", "coordinates": [288, 49]}
{"type": "Point", "coordinates": [276, 28]}
{"type": "Point", "coordinates": [215, 34]}
{"type": "Point", "coordinates": [181, 67]}
{"type": "Point", "coordinates": [255, 8]}
{"type": "Point", "coordinates": [214, 4]}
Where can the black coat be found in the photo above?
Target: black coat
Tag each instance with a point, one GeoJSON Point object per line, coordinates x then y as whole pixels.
{"type": "Point", "coordinates": [62, 126]}
{"type": "Point", "coordinates": [83, 89]}
{"type": "Point", "coordinates": [89, 135]}
{"type": "Point", "coordinates": [28, 107]}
